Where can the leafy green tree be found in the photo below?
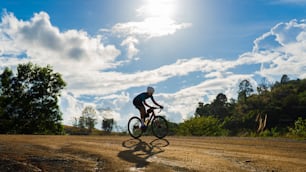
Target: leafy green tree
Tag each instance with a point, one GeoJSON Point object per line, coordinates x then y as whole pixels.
{"type": "Point", "coordinates": [245, 90]}
{"type": "Point", "coordinates": [82, 123]}
{"type": "Point", "coordinates": [31, 99]}
{"type": "Point", "coordinates": [219, 108]}
{"type": "Point", "coordinates": [107, 125]}
{"type": "Point", "coordinates": [202, 110]}
{"type": "Point", "coordinates": [285, 79]}
{"type": "Point", "coordinates": [88, 118]}
{"type": "Point", "coordinates": [6, 98]}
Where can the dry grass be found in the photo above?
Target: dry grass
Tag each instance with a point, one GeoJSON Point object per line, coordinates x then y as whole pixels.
{"type": "Point", "coordinates": [115, 153]}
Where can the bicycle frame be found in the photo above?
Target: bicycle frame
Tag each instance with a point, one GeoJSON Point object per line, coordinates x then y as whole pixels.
{"type": "Point", "coordinates": [151, 116]}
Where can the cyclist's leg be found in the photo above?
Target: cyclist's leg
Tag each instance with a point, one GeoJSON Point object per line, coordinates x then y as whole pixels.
{"type": "Point", "coordinates": [142, 111]}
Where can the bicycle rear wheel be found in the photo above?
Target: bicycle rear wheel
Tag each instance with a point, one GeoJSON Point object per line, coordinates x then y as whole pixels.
{"type": "Point", "coordinates": [134, 127]}
{"type": "Point", "coordinates": [159, 127]}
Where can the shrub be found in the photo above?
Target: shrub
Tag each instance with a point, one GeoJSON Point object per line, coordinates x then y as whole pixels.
{"type": "Point", "coordinates": [299, 129]}
{"type": "Point", "coordinates": [202, 126]}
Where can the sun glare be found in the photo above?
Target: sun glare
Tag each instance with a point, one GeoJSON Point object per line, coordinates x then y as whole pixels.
{"type": "Point", "coordinates": [158, 8]}
{"type": "Point", "coordinates": [158, 19]}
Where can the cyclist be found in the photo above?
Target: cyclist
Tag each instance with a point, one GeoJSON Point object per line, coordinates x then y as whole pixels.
{"type": "Point", "coordinates": [140, 103]}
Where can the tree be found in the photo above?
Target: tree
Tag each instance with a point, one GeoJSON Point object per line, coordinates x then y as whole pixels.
{"type": "Point", "coordinates": [245, 90]}
{"type": "Point", "coordinates": [221, 99]}
{"type": "Point", "coordinates": [219, 108]}
{"type": "Point", "coordinates": [263, 86]}
{"type": "Point", "coordinates": [200, 110]}
{"type": "Point", "coordinates": [88, 118]}
{"type": "Point", "coordinates": [6, 96]}
{"type": "Point", "coordinates": [82, 123]}
{"type": "Point", "coordinates": [285, 79]}
{"type": "Point", "coordinates": [31, 99]}
{"type": "Point", "coordinates": [107, 124]}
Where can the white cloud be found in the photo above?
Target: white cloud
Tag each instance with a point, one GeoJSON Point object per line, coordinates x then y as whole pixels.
{"type": "Point", "coordinates": [113, 101]}
{"type": "Point", "coordinates": [109, 114]}
{"type": "Point", "coordinates": [149, 28]}
{"type": "Point", "coordinates": [130, 42]}
{"type": "Point", "coordinates": [287, 56]}
{"type": "Point", "coordinates": [43, 43]}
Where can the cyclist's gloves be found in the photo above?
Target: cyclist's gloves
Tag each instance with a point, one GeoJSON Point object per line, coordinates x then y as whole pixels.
{"type": "Point", "coordinates": [149, 111]}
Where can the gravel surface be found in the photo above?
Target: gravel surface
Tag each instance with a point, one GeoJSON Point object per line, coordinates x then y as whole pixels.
{"type": "Point", "coordinates": [122, 153]}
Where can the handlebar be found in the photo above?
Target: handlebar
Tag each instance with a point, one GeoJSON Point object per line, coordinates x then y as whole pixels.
{"type": "Point", "coordinates": [153, 108]}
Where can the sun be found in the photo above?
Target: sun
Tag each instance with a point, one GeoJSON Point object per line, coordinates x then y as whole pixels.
{"type": "Point", "coordinates": [157, 19]}
{"type": "Point", "coordinates": [158, 9]}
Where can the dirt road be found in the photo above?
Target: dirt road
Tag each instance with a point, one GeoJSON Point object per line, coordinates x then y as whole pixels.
{"type": "Point", "coordinates": [115, 153]}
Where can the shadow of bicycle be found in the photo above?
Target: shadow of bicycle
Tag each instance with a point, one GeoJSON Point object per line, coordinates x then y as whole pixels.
{"type": "Point", "coordinates": [138, 152]}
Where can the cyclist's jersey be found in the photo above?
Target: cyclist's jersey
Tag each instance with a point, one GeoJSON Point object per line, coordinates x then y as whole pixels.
{"type": "Point", "coordinates": [142, 97]}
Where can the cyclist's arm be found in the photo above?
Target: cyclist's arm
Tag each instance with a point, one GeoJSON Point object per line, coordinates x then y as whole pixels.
{"type": "Point", "coordinates": [156, 102]}
{"type": "Point", "coordinates": [145, 103]}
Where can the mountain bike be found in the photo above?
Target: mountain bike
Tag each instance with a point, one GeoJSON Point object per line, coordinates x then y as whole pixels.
{"type": "Point", "coordinates": [158, 125]}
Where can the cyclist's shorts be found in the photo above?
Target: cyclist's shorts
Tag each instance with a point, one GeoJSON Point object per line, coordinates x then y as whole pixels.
{"type": "Point", "coordinates": [138, 104]}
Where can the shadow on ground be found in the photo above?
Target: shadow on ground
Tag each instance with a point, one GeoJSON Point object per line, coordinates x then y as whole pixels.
{"type": "Point", "coordinates": [138, 151]}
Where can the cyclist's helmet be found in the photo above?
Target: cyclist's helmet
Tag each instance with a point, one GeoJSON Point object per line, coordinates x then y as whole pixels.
{"type": "Point", "coordinates": [150, 90]}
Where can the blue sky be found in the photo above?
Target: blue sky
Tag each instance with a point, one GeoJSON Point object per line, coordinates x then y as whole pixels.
{"type": "Point", "coordinates": [110, 50]}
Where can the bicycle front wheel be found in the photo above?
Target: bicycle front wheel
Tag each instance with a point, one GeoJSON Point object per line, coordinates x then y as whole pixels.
{"type": "Point", "coordinates": [159, 127]}
{"type": "Point", "coordinates": [134, 127]}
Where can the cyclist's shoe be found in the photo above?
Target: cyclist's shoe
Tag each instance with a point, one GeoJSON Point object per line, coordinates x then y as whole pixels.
{"type": "Point", "coordinates": [143, 128]}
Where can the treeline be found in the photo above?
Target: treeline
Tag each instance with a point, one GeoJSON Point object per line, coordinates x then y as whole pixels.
{"type": "Point", "coordinates": [274, 110]}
